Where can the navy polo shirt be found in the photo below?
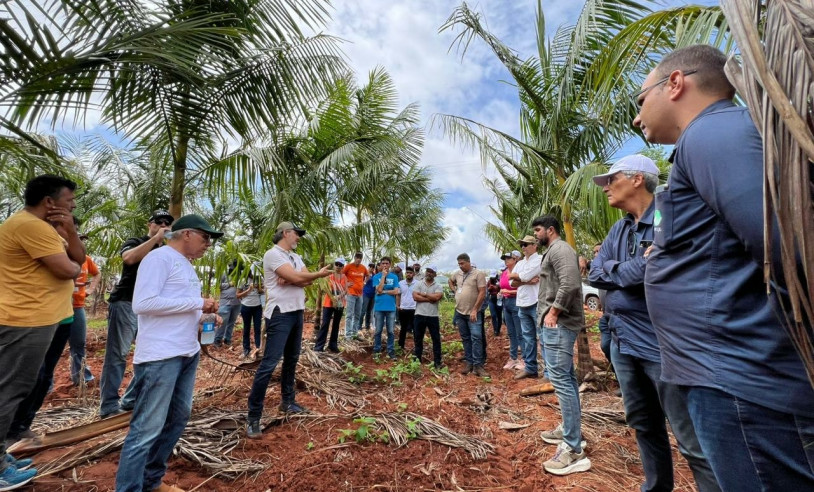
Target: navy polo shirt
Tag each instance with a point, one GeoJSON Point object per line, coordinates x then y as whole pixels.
{"type": "Point", "coordinates": [619, 269]}
{"type": "Point", "coordinates": [715, 323]}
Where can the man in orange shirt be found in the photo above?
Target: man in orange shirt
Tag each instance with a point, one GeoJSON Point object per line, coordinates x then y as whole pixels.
{"type": "Point", "coordinates": [357, 274]}
{"type": "Point", "coordinates": [79, 326]}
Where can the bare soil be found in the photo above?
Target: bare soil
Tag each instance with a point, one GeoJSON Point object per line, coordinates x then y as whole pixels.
{"type": "Point", "coordinates": [305, 454]}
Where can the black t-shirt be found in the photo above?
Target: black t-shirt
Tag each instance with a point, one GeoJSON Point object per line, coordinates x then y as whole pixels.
{"type": "Point", "coordinates": [124, 289]}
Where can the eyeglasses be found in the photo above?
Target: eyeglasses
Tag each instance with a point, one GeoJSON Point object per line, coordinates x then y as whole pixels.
{"type": "Point", "coordinates": [206, 237]}
{"type": "Point", "coordinates": [162, 222]}
{"type": "Point", "coordinates": [636, 95]}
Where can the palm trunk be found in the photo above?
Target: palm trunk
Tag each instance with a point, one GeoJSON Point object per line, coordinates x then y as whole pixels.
{"type": "Point", "coordinates": [584, 362]}
{"type": "Point", "coordinates": [179, 161]}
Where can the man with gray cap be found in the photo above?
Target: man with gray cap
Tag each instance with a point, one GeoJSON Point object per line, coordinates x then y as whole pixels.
{"type": "Point", "coordinates": [122, 324]}
{"type": "Point", "coordinates": [619, 268]}
{"type": "Point", "coordinates": [286, 277]}
{"type": "Point", "coordinates": [167, 299]}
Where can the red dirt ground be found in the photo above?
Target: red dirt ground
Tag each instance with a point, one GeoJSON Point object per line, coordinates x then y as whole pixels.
{"type": "Point", "coordinates": [306, 456]}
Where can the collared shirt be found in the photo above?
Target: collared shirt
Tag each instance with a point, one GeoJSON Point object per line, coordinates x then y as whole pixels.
{"type": "Point", "coordinates": [467, 288]}
{"type": "Point", "coordinates": [407, 301]}
{"type": "Point", "coordinates": [619, 268]}
{"type": "Point", "coordinates": [527, 269]}
{"type": "Point", "coordinates": [428, 308]}
{"type": "Point", "coordinates": [561, 286]}
{"type": "Point", "coordinates": [287, 297]}
{"type": "Point", "coordinates": [167, 299]}
{"type": "Point", "coordinates": [715, 323]}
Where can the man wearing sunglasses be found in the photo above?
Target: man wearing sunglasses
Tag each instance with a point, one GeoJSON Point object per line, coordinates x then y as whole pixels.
{"type": "Point", "coordinates": [122, 324]}
{"type": "Point", "coordinates": [619, 268]}
{"type": "Point", "coordinates": [722, 337]}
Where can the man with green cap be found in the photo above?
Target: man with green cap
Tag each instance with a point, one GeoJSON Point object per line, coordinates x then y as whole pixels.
{"type": "Point", "coordinates": [167, 299]}
{"type": "Point", "coordinates": [286, 276]}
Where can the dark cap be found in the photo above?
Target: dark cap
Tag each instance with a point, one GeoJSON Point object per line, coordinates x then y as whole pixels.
{"type": "Point", "coordinates": [161, 214]}
{"type": "Point", "coordinates": [195, 221]}
{"type": "Point", "coordinates": [358, 254]}
{"type": "Point", "coordinates": [288, 226]}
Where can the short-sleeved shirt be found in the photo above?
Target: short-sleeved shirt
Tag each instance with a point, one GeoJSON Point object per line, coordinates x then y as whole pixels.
{"type": "Point", "coordinates": [428, 308]}
{"type": "Point", "coordinates": [406, 294]}
{"type": "Point", "coordinates": [339, 288]}
{"type": "Point", "coordinates": [124, 289]}
{"type": "Point", "coordinates": [287, 297]}
{"type": "Point", "coordinates": [228, 293]}
{"type": "Point", "coordinates": [561, 286]}
{"type": "Point", "coordinates": [80, 291]}
{"type": "Point", "coordinates": [31, 295]}
{"type": "Point", "coordinates": [467, 286]}
{"type": "Point", "coordinates": [356, 278]}
{"type": "Point", "coordinates": [527, 269]}
{"type": "Point", "coordinates": [252, 298]}
{"type": "Point", "coordinates": [385, 302]}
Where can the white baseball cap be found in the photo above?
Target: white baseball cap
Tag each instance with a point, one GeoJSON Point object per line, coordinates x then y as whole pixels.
{"type": "Point", "coordinates": [635, 162]}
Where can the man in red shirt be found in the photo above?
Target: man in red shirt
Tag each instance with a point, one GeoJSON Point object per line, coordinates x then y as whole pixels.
{"type": "Point", "coordinates": [357, 275]}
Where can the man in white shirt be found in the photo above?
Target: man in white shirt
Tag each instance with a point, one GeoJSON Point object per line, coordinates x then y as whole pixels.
{"type": "Point", "coordinates": [406, 305]}
{"type": "Point", "coordinates": [526, 278]}
{"type": "Point", "coordinates": [167, 299]}
{"type": "Point", "coordinates": [285, 277]}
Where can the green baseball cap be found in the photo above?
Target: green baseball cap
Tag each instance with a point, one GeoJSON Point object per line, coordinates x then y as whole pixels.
{"type": "Point", "coordinates": [195, 221]}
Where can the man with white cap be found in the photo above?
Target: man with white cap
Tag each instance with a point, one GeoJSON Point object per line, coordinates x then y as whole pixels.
{"type": "Point", "coordinates": [426, 294]}
{"type": "Point", "coordinates": [285, 276]}
{"type": "Point", "coordinates": [619, 268]}
{"type": "Point", "coordinates": [333, 306]}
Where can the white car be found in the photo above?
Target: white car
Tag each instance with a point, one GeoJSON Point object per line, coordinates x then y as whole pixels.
{"type": "Point", "coordinates": [590, 296]}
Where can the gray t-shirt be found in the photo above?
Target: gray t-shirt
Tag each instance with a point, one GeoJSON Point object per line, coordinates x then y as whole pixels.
{"type": "Point", "coordinates": [427, 308]}
{"type": "Point", "coordinates": [252, 298]}
{"type": "Point", "coordinates": [228, 293]}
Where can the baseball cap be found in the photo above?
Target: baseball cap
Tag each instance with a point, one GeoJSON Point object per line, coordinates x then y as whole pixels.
{"type": "Point", "coordinates": [529, 240]}
{"type": "Point", "coordinates": [513, 254]}
{"type": "Point", "coordinates": [433, 268]}
{"type": "Point", "coordinates": [161, 214]}
{"type": "Point", "coordinates": [195, 221]}
{"type": "Point", "coordinates": [340, 260]}
{"type": "Point", "coordinates": [635, 162]}
{"type": "Point", "coordinates": [287, 226]}
{"type": "Point", "coordinates": [400, 265]}
{"type": "Point", "coordinates": [493, 273]}
{"type": "Point", "coordinates": [358, 254]}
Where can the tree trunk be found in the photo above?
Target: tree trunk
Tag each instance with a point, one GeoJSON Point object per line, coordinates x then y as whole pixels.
{"type": "Point", "coordinates": [584, 364]}
{"type": "Point", "coordinates": [179, 161]}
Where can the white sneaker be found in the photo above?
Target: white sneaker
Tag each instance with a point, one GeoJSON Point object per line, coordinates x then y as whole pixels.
{"type": "Point", "coordinates": [555, 437]}
{"type": "Point", "coordinates": [509, 365]}
{"type": "Point", "coordinates": [520, 364]}
{"type": "Point", "coordinates": [565, 461]}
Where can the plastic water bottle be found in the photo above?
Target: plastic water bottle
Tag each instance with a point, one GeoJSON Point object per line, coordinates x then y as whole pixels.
{"type": "Point", "coordinates": [208, 330]}
{"type": "Point", "coordinates": [499, 300]}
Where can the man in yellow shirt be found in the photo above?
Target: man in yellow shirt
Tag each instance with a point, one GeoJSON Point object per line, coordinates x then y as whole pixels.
{"type": "Point", "coordinates": [42, 254]}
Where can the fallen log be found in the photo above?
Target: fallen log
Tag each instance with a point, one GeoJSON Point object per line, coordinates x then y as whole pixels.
{"type": "Point", "coordinates": [28, 447]}
{"type": "Point", "coordinates": [538, 389]}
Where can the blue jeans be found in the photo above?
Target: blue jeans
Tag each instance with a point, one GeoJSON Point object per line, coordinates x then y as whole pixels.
{"type": "Point", "coordinates": [251, 315]}
{"type": "Point", "coordinates": [528, 328]}
{"type": "Point", "coordinates": [751, 447]}
{"type": "Point", "coordinates": [647, 401]}
{"type": "Point", "coordinates": [382, 317]}
{"type": "Point", "coordinates": [161, 412]}
{"type": "Point", "coordinates": [512, 319]}
{"type": "Point", "coordinates": [472, 337]}
{"type": "Point", "coordinates": [367, 313]}
{"type": "Point", "coordinates": [353, 318]}
{"type": "Point", "coordinates": [605, 336]}
{"type": "Point", "coordinates": [224, 332]}
{"type": "Point", "coordinates": [79, 331]}
{"type": "Point", "coordinates": [283, 341]}
{"type": "Point", "coordinates": [496, 312]}
{"type": "Point", "coordinates": [122, 326]}
{"type": "Point", "coordinates": [559, 360]}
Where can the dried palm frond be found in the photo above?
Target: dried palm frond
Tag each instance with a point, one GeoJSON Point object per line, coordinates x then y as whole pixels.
{"type": "Point", "coordinates": [408, 425]}
{"type": "Point", "coordinates": [322, 360]}
{"type": "Point", "coordinates": [776, 81]}
{"type": "Point", "coordinates": [336, 388]}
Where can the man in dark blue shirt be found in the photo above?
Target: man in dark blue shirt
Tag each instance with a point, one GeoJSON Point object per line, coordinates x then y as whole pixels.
{"type": "Point", "coordinates": [721, 336]}
{"type": "Point", "coordinates": [619, 268]}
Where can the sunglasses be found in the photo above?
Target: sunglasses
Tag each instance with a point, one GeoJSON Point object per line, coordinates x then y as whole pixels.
{"type": "Point", "coordinates": [163, 222]}
{"type": "Point", "coordinates": [206, 237]}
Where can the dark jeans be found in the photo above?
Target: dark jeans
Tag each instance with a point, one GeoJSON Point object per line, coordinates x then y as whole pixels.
{"type": "Point", "coordinates": [224, 332]}
{"type": "Point", "coordinates": [251, 315]}
{"type": "Point", "coordinates": [79, 331]}
{"type": "Point", "coordinates": [122, 326]}
{"type": "Point", "coordinates": [497, 315]}
{"type": "Point", "coordinates": [472, 337]}
{"type": "Point", "coordinates": [367, 313]}
{"type": "Point", "coordinates": [283, 341]}
{"type": "Point", "coordinates": [329, 314]}
{"type": "Point", "coordinates": [161, 412]}
{"type": "Point", "coordinates": [31, 405]}
{"type": "Point", "coordinates": [512, 319]}
{"type": "Point", "coordinates": [751, 447]}
{"type": "Point", "coordinates": [422, 324]}
{"type": "Point", "coordinates": [605, 336]}
{"type": "Point", "coordinates": [406, 320]}
{"type": "Point", "coordinates": [647, 401]}
{"type": "Point", "coordinates": [22, 351]}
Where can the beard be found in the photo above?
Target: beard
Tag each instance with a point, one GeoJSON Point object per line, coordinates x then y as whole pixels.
{"type": "Point", "coordinates": [543, 241]}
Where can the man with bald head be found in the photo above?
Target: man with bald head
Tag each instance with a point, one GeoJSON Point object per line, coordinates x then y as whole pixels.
{"type": "Point", "coordinates": [722, 338]}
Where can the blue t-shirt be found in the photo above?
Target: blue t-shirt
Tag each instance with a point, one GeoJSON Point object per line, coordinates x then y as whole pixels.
{"type": "Point", "coordinates": [368, 290]}
{"type": "Point", "coordinates": [385, 302]}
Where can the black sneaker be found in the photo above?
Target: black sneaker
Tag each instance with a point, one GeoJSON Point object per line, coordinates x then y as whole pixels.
{"type": "Point", "coordinates": [292, 407]}
{"type": "Point", "coordinates": [253, 430]}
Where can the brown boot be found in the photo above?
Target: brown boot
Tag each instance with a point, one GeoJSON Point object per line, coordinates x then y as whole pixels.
{"type": "Point", "coordinates": [480, 372]}
{"type": "Point", "coordinates": [467, 368]}
{"type": "Point", "coordinates": [167, 488]}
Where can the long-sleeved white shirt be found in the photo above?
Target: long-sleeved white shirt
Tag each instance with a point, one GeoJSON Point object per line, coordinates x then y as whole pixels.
{"type": "Point", "coordinates": [527, 269]}
{"type": "Point", "coordinates": [167, 299]}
